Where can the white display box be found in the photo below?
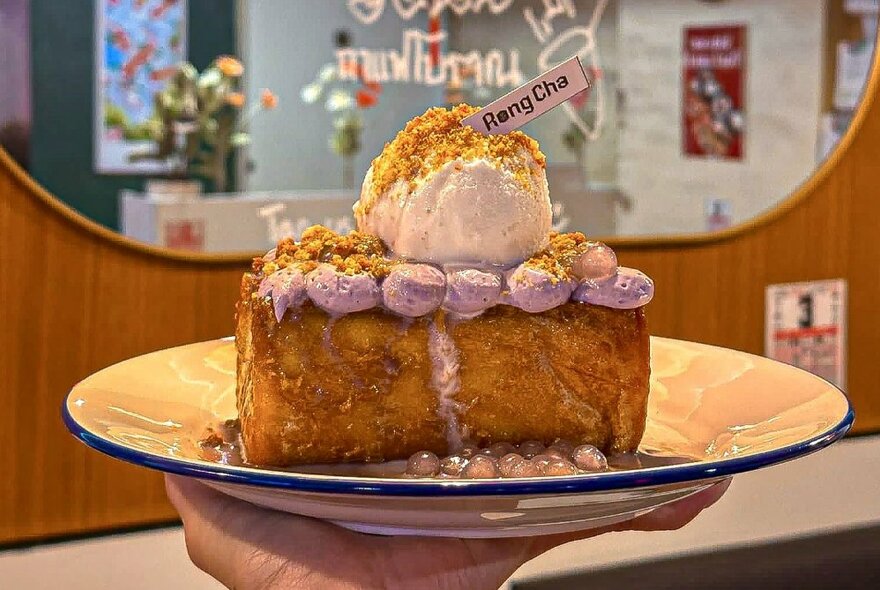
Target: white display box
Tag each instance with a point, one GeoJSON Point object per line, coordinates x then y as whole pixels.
{"type": "Point", "coordinates": [240, 222]}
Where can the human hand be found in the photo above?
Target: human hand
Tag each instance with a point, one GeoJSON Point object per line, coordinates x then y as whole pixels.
{"type": "Point", "coordinates": [246, 547]}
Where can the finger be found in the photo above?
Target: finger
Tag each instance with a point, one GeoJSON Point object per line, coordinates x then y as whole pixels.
{"type": "Point", "coordinates": [672, 516]}
{"type": "Point", "coordinates": [675, 515]}
{"type": "Point", "coordinates": [199, 507]}
{"type": "Point", "coordinates": [245, 546]}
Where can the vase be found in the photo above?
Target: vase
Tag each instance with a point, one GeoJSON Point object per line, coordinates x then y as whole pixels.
{"type": "Point", "coordinates": [348, 172]}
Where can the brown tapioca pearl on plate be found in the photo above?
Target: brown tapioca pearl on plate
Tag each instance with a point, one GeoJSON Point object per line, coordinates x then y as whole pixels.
{"type": "Point", "coordinates": [507, 462]}
{"type": "Point", "coordinates": [468, 451]}
{"type": "Point", "coordinates": [525, 468]}
{"type": "Point", "coordinates": [556, 453]}
{"type": "Point", "coordinates": [530, 448]}
{"type": "Point", "coordinates": [542, 460]}
{"type": "Point", "coordinates": [453, 465]}
{"type": "Point", "coordinates": [481, 467]}
{"type": "Point", "coordinates": [564, 448]}
{"type": "Point", "coordinates": [589, 458]}
{"type": "Point", "coordinates": [560, 467]}
{"type": "Point", "coordinates": [500, 449]}
{"type": "Point", "coordinates": [423, 464]}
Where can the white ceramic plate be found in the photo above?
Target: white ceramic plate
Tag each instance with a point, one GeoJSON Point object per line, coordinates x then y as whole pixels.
{"type": "Point", "coordinates": [724, 411]}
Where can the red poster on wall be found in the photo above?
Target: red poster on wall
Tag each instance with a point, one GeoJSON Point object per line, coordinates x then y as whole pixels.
{"type": "Point", "coordinates": [714, 62]}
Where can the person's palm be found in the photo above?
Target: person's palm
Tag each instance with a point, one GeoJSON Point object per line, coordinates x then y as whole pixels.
{"type": "Point", "coordinates": [246, 547]}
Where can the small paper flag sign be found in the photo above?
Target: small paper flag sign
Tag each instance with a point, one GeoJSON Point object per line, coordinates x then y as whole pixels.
{"type": "Point", "coordinates": [531, 100]}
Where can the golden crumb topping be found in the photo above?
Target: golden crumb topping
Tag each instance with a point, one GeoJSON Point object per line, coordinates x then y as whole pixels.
{"type": "Point", "coordinates": [434, 139]}
{"type": "Point", "coordinates": [352, 254]}
{"type": "Point", "coordinates": [559, 256]}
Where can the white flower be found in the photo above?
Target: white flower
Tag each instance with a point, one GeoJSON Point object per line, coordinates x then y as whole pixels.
{"type": "Point", "coordinates": [339, 100]}
{"type": "Point", "coordinates": [327, 73]}
{"type": "Point", "coordinates": [209, 77]}
{"type": "Point", "coordinates": [311, 93]}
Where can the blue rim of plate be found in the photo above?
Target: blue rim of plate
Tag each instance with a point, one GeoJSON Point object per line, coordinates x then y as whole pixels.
{"type": "Point", "coordinates": [606, 481]}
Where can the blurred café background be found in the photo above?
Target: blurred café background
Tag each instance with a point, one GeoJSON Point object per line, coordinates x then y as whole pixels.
{"type": "Point", "coordinates": [725, 147]}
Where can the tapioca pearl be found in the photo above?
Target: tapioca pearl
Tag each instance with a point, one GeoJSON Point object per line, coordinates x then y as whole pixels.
{"type": "Point", "coordinates": [413, 290]}
{"type": "Point", "coordinates": [560, 467]}
{"type": "Point", "coordinates": [423, 464]}
{"type": "Point", "coordinates": [481, 467]}
{"type": "Point", "coordinates": [542, 460]}
{"type": "Point", "coordinates": [589, 458]}
{"type": "Point", "coordinates": [525, 468]}
{"type": "Point", "coordinates": [507, 463]}
{"type": "Point", "coordinates": [530, 448]}
{"type": "Point", "coordinates": [471, 291]}
{"type": "Point", "coordinates": [596, 263]}
{"type": "Point", "coordinates": [453, 465]}
{"type": "Point", "coordinates": [535, 291]}
{"type": "Point", "coordinates": [500, 449]}
{"type": "Point", "coordinates": [555, 453]}
{"type": "Point", "coordinates": [563, 447]}
{"type": "Point", "coordinates": [469, 450]}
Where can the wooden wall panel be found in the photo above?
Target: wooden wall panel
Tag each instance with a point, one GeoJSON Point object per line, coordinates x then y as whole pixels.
{"type": "Point", "coordinates": [75, 297]}
{"type": "Point", "coordinates": [75, 300]}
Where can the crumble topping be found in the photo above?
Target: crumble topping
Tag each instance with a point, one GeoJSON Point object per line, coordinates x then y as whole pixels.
{"type": "Point", "coordinates": [430, 141]}
{"type": "Point", "coordinates": [351, 254]}
{"type": "Point", "coordinates": [559, 256]}
{"type": "Point", "coordinates": [360, 253]}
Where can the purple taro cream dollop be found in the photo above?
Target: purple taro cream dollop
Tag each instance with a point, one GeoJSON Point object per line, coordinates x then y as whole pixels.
{"type": "Point", "coordinates": [287, 287]}
{"type": "Point", "coordinates": [630, 289]}
{"type": "Point", "coordinates": [471, 291]}
{"type": "Point", "coordinates": [337, 292]}
{"type": "Point", "coordinates": [413, 290]}
{"type": "Point", "coordinates": [571, 269]}
{"type": "Point", "coordinates": [535, 290]}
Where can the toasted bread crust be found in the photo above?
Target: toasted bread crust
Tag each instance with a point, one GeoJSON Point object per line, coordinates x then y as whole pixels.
{"type": "Point", "coordinates": [317, 389]}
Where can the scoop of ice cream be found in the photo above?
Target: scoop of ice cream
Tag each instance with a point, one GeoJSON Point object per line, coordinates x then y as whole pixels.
{"type": "Point", "coordinates": [629, 289]}
{"type": "Point", "coordinates": [337, 292]}
{"type": "Point", "coordinates": [287, 287]}
{"type": "Point", "coordinates": [413, 290]}
{"type": "Point", "coordinates": [470, 291]}
{"type": "Point", "coordinates": [446, 193]}
{"type": "Point", "coordinates": [535, 290]}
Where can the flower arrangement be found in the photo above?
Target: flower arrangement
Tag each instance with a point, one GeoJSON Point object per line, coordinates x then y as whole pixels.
{"type": "Point", "coordinates": [201, 118]}
{"type": "Point", "coordinates": [346, 102]}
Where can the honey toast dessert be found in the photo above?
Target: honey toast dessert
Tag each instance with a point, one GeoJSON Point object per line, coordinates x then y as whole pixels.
{"type": "Point", "coordinates": [453, 316]}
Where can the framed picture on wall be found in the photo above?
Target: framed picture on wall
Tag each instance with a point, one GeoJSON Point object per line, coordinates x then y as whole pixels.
{"type": "Point", "coordinates": [138, 45]}
{"type": "Point", "coordinates": [713, 80]}
{"type": "Point", "coordinates": [805, 326]}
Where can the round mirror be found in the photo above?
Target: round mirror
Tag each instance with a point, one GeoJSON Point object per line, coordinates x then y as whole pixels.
{"type": "Point", "coordinates": [702, 114]}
